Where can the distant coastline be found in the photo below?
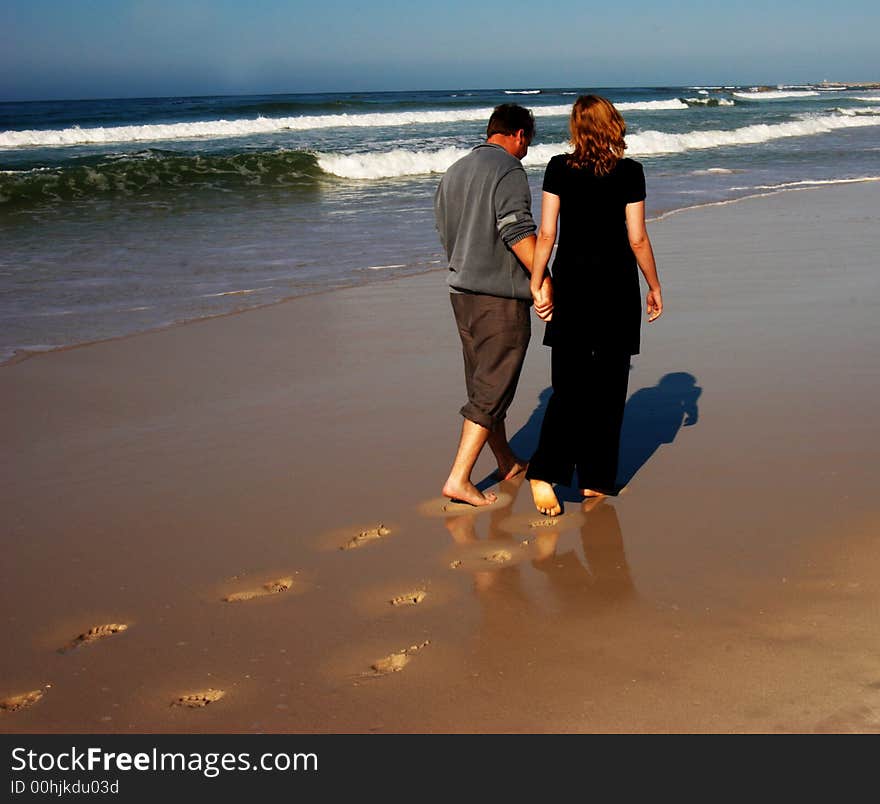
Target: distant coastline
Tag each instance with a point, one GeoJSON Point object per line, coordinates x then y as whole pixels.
{"type": "Point", "coordinates": [824, 85]}
{"type": "Point", "coordinates": [850, 84]}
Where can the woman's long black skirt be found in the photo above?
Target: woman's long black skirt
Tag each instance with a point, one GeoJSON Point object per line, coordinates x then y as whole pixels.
{"type": "Point", "coordinates": [581, 428]}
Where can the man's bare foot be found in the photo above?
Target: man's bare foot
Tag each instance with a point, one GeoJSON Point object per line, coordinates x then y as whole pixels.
{"type": "Point", "coordinates": [545, 498]}
{"type": "Point", "coordinates": [467, 493]}
{"type": "Point", "coordinates": [591, 493]}
{"type": "Point", "coordinates": [510, 471]}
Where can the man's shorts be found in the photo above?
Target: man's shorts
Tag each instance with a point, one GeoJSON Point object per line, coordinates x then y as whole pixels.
{"type": "Point", "coordinates": [494, 337]}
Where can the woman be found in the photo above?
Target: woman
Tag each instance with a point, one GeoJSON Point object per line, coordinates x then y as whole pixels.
{"type": "Point", "coordinates": [600, 199]}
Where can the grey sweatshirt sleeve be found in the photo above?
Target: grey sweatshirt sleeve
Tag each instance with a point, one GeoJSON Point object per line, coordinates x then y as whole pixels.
{"type": "Point", "coordinates": [513, 202]}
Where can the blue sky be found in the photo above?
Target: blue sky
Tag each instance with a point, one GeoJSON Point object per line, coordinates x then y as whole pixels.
{"type": "Point", "coordinates": [124, 48]}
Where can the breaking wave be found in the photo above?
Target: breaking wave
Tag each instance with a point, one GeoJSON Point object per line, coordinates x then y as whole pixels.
{"type": "Point", "coordinates": [769, 95]}
{"type": "Point", "coordinates": [154, 171]}
{"type": "Point", "coordinates": [219, 129]}
{"type": "Point", "coordinates": [401, 162]}
{"type": "Point", "coordinates": [709, 101]}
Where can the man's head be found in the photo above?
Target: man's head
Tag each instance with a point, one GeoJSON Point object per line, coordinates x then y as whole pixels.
{"type": "Point", "coordinates": [512, 127]}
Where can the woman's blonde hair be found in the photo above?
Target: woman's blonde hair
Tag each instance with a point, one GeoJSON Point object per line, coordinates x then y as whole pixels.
{"type": "Point", "coordinates": [597, 132]}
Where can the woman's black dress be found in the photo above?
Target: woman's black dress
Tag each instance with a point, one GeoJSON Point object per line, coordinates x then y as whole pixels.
{"type": "Point", "coordinates": [595, 326]}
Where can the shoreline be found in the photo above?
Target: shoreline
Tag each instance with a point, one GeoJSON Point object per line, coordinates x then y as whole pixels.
{"type": "Point", "coordinates": [20, 355]}
{"type": "Point", "coordinates": [732, 588]}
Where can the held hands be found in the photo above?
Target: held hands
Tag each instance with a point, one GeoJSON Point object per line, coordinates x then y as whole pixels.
{"type": "Point", "coordinates": [654, 305]}
{"type": "Point", "coordinates": [543, 298]}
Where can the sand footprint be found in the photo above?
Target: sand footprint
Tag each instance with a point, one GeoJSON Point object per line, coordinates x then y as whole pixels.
{"type": "Point", "coordinates": [528, 524]}
{"type": "Point", "coordinates": [14, 703]}
{"type": "Point", "coordinates": [444, 507]}
{"type": "Point", "coordinates": [271, 588]}
{"type": "Point", "coordinates": [409, 598]}
{"type": "Point", "coordinates": [366, 536]}
{"type": "Point", "coordinates": [93, 635]}
{"type": "Point", "coordinates": [395, 662]}
{"type": "Point", "coordinates": [200, 699]}
{"type": "Point", "coordinates": [498, 556]}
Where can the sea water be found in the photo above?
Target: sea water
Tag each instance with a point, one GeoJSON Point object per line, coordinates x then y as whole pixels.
{"type": "Point", "coordinates": [119, 216]}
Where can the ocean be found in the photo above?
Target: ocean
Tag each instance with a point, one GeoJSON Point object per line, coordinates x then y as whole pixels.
{"type": "Point", "coordinates": [120, 216]}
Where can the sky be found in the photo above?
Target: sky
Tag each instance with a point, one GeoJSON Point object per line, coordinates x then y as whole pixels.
{"type": "Point", "coordinates": [59, 49]}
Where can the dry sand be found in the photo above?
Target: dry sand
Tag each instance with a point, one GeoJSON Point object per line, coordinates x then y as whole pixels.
{"type": "Point", "coordinates": [732, 588]}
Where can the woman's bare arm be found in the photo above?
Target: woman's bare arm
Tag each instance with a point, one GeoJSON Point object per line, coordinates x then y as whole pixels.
{"type": "Point", "coordinates": [540, 285]}
{"type": "Point", "coordinates": [641, 246]}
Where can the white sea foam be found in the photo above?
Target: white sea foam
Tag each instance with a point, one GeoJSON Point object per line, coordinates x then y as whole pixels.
{"type": "Point", "coordinates": [864, 110]}
{"type": "Point", "coordinates": [522, 91]}
{"type": "Point", "coordinates": [770, 95]}
{"type": "Point", "coordinates": [243, 292]}
{"type": "Point", "coordinates": [217, 129]}
{"type": "Point", "coordinates": [651, 106]}
{"type": "Point", "coordinates": [389, 164]}
{"type": "Point", "coordinates": [867, 98]}
{"type": "Point", "coordinates": [227, 128]}
{"type": "Point", "coordinates": [711, 171]}
{"type": "Point", "coordinates": [788, 185]}
{"type": "Point", "coordinates": [648, 143]}
{"type": "Point", "coordinates": [401, 162]}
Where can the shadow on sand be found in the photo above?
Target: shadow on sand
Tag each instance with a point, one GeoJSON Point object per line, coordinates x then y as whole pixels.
{"type": "Point", "coordinates": [524, 441]}
{"type": "Point", "coordinates": [652, 417]}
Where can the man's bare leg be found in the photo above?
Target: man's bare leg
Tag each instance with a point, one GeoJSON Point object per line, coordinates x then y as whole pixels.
{"type": "Point", "coordinates": [458, 485]}
{"type": "Point", "coordinates": [509, 466]}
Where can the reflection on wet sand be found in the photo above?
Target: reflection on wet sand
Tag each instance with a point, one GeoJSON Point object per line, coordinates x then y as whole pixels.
{"type": "Point", "coordinates": [547, 579]}
{"type": "Point", "coordinates": [653, 417]}
{"type": "Point", "coordinates": [603, 578]}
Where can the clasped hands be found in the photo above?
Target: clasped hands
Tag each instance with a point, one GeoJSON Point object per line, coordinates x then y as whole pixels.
{"type": "Point", "coordinates": [543, 298]}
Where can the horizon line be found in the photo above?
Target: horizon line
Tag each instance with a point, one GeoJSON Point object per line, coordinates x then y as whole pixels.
{"type": "Point", "coordinates": [548, 87]}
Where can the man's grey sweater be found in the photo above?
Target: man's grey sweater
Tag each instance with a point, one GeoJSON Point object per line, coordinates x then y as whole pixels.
{"type": "Point", "coordinates": [482, 207]}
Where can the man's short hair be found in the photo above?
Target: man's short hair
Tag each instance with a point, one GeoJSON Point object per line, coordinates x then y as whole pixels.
{"type": "Point", "coordinates": [508, 118]}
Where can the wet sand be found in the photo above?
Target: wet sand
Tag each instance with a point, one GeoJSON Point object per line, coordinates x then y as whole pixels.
{"type": "Point", "coordinates": [731, 588]}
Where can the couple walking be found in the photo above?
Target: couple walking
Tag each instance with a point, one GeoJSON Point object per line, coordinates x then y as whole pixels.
{"type": "Point", "coordinates": [591, 306]}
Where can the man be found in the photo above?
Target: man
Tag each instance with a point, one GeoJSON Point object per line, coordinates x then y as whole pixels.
{"type": "Point", "coordinates": [483, 213]}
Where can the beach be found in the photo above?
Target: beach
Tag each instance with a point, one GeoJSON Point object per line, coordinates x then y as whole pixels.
{"type": "Point", "coordinates": [731, 588]}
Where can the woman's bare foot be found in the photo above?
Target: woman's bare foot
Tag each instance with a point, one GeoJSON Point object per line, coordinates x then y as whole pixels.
{"type": "Point", "coordinates": [467, 493]}
{"type": "Point", "coordinates": [591, 503]}
{"type": "Point", "coordinates": [591, 493]}
{"type": "Point", "coordinates": [545, 498]}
